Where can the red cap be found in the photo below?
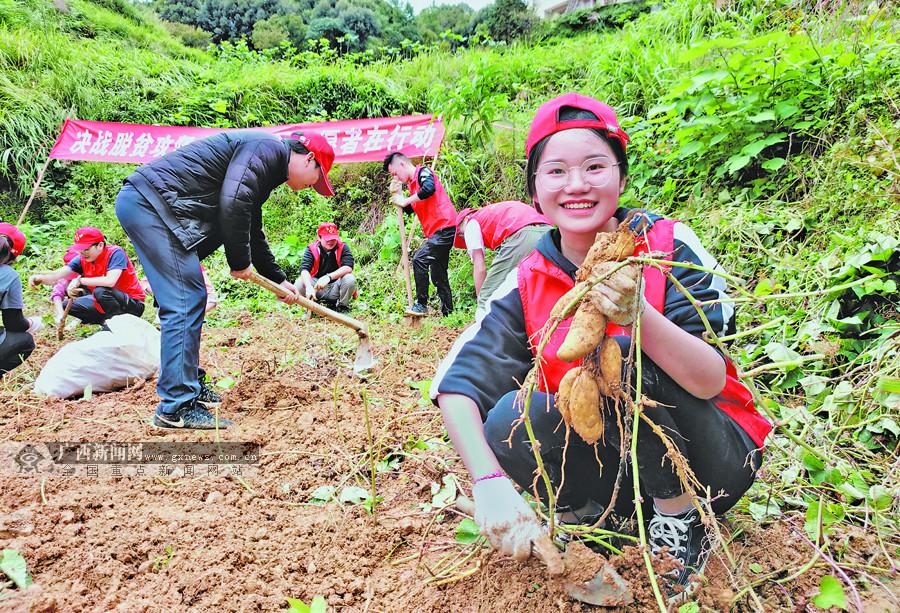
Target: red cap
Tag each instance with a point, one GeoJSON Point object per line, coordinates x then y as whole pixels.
{"type": "Point", "coordinates": [546, 120]}
{"type": "Point", "coordinates": [18, 239]}
{"type": "Point", "coordinates": [87, 237]}
{"type": "Point", "coordinates": [324, 154]}
{"type": "Point", "coordinates": [328, 231]}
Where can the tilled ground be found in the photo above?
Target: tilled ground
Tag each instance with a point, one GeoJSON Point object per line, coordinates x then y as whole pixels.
{"type": "Point", "coordinates": [225, 543]}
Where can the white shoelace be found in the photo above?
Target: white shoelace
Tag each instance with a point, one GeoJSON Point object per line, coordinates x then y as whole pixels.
{"type": "Point", "coordinates": [671, 531]}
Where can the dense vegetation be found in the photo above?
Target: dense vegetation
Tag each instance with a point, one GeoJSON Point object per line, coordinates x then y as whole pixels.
{"type": "Point", "coordinates": [771, 127]}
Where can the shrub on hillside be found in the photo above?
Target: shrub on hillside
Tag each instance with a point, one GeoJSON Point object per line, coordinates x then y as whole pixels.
{"type": "Point", "coordinates": [189, 35]}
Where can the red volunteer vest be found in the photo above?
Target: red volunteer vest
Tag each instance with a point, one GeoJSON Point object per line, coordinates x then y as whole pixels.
{"type": "Point", "coordinates": [436, 212]}
{"type": "Point", "coordinates": [541, 284]}
{"type": "Point", "coordinates": [498, 221]}
{"type": "Point", "coordinates": [314, 250]}
{"type": "Point", "coordinates": [128, 281]}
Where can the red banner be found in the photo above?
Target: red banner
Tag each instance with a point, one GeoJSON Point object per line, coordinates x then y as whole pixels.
{"type": "Point", "coordinates": [356, 140]}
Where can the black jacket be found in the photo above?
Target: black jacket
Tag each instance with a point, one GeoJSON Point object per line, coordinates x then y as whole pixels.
{"type": "Point", "coordinates": [211, 193]}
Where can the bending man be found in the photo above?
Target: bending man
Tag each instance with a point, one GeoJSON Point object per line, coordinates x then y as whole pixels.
{"type": "Point", "coordinates": [179, 208]}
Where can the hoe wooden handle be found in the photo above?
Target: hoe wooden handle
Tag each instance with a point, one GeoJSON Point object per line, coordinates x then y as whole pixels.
{"type": "Point", "coordinates": [360, 328]}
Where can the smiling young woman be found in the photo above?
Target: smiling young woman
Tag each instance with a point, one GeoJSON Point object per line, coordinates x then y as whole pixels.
{"type": "Point", "coordinates": [575, 174]}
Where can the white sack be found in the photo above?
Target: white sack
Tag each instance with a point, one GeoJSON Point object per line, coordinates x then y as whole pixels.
{"type": "Point", "coordinates": [106, 361]}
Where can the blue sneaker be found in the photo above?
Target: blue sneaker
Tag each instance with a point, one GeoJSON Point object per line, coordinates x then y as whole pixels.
{"type": "Point", "coordinates": [191, 415]}
{"type": "Point", "coordinates": [417, 310]}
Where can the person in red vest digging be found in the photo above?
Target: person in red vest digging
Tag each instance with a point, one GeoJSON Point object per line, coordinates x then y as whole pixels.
{"type": "Point", "coordinates": [432, 206]}
{"type": "Point", "coordinates": [576, 169]}
{"type": "Point", "coordinates": [510, 229]}
{"type": "Point", "coordinates": [106, 284]}
{"type": "Point", "coordinates": [326, 272]}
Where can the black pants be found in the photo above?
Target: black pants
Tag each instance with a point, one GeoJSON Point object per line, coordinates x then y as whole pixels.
{"type": "Point", "coordinates": [15, 349]}
{"type": "Point", "coordinates": [112, 301]}
{"type": "Point", "coordinates": [434, 255]}
{"type": "Point", "coordinates": [721, 455]}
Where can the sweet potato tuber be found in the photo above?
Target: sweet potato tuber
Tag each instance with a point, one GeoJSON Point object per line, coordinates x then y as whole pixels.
{"type": "Point", "coordinates": [584, 407]}
{"type": "Point", "coordinates": [564, 393]}
{"type": "Point", "coordinates": [559, 309]}
{"type": "Point", "coordinates": [607, 247]}
{"type": "Point", "coordinates": [587, 330]}
{"type": "Point", "coordinates": [611, 366]}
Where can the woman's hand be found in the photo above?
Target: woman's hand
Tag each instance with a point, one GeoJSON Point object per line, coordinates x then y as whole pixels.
{"type": "Point", "coordinates": [616, 295]}
{"type": "Point", "coordinates": [505, 518]}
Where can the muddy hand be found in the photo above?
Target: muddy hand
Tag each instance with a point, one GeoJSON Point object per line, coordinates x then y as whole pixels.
{"type": "Point", "coordinates": [505, 518]}
{"type": "Point", "coordinates": [615, 296]}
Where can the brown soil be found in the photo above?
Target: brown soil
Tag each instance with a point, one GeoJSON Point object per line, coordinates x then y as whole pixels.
{"type": "Point", "coordinates": [227, 544]}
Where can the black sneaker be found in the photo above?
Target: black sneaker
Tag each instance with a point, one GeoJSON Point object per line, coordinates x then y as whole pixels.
{"type": "Point", "coordinates": [340, 308]}
{"type": "Point", "coordinates": [207, 395]}
{"type": "Point", "coordinates": [688, 541]}
{"type": "Point", "coordinates": [191, 415]}
{"type": "Point", "coordinates": [417, 310]}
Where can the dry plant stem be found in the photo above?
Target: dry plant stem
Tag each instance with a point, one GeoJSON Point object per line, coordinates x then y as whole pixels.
{"type": "Point", "coordinates": [474, 549]}
{"type": "Point", "coordinates": [685, 474]}
{"type": "Point", "coordinates": [460, 576]}
{"type": "Point", "coordinates": [536, 450]}
{"type": "Point", "coordinates": [365, 399]}
{"type": "Point", "coordinates": [635, 475]}
{"type": "Point", "coordinates": [334, 406]}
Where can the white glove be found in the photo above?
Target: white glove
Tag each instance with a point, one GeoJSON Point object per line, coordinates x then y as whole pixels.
{"type": "Point", "coordinates": [34, 325]}
{"type": "Point", "coordinates": [505, 518]}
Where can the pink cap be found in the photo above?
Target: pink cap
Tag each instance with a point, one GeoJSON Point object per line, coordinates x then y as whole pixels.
{"type": "Point", "coordinates": [546, 121]}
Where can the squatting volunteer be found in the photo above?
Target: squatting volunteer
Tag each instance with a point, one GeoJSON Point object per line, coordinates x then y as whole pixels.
{"type": "Point", "coordinates": [16, 340]}
{"type": "Point", "coordinates": [326, 271]}
{"type": "Point", "coordinates": [103, 282]}
{"type": "Point", "coordinates": [511, 229]}
{"type": "Point", "coordinates": [180, 208]}
{"type": "Point", "coordinates": [576, 173]}
{"type": "Point", "coordinates": [435, 211]}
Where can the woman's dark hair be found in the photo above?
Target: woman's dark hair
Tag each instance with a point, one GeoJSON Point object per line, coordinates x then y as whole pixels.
{"type": "Point", "coordinates": [6, 249]}
{"type": "Point", "coordinates": [570, 113]}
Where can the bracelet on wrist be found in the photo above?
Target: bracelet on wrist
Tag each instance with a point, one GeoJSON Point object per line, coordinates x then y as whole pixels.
{"type": "Point", "coordinates": [495, 475]}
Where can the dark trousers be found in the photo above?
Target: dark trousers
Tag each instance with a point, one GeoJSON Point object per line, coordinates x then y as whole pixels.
{"type": "Point", "coordinates": [721, 455]}
{"type": "Point", "coordinates": [112, 301]}
{"type": "Point", "coordinates": [177, 282]}
{"type": "Point", "coordinates": [434, 256]}
{"type": "Point", "coordinates": [15, 349]}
